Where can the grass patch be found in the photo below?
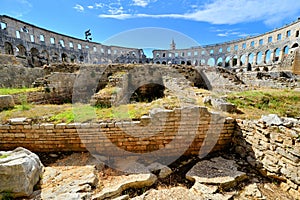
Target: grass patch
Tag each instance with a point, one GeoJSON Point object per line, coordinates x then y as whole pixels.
{"type": "Point", "coordinates": [285, 103]}
{"type": "Point", "coordinates": [3, 156]}
{"type": "Point", "coordinates": [10, 91]}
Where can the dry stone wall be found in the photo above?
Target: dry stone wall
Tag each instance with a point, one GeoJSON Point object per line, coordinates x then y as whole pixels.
{"type": "Point", "coordinates": [272, 145]}
{"type": "Point", "coordinates": [172, 131]}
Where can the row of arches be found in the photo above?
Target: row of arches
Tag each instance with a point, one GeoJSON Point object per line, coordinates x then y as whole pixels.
{"type": "Point", "coordinates": [266, 57]}
{"type": "Point", "coordinates": [38, 58]}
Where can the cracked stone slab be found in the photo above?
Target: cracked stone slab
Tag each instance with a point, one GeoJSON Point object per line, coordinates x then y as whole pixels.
{"type": "Point", "coordinates": [216, 171]}
{"type": "Point", "coordinates": [115, 187]}
{"type": "Point", "coordinates": [68, 182]}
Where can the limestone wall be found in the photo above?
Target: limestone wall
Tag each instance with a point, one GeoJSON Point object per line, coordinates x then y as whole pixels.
{"type": "Point", "coordinates": [17, 76]}
{"type": "Point", "coordinates": [273, 147]}
{"type": "Point", "coordinates": [177, 132]}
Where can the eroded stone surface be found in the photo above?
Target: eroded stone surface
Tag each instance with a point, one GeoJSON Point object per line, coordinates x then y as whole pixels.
{"type": "Point", "coordinates": [68, 182]}
{"type": "Point", "coordinates": [20, 170]}
{"type": "Point", "coordinates": [6, 102]}
{"type": "Point", "coordinates": [115, 187]}
{"type": "Point", "coordinates": [217, 171]}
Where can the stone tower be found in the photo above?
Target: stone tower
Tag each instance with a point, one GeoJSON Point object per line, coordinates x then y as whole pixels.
{"type": "Point", "coordinates": [172, 45]}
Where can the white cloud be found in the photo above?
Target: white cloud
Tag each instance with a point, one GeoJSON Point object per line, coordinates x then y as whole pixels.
{"type": "Point", "coordinates": [229, 11]}
{"type": "Point", "coordinates": [91, 7]}
{"type": "Point", "coordinates": [79, 8]}
{"type": "Point", "coordinates": [143, 3]}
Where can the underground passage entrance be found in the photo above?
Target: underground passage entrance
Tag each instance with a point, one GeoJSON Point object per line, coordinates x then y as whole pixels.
{"type": "Point", "coordinates": [148, 92]}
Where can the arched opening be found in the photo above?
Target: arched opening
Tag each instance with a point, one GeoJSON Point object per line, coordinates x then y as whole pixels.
{"type": "Point", "coordinates": [243, 60]}
{"type": "Point", "coordinates": [34, 52]}
{"type": "Point", "coordinates": [202, 62]}
{"type": "Point", "coordinates": [8, 48]}
{"type": "Point", "coordinates": [81, 58]}
{"type": "Point", "coordinates": [235, 61]}
{"type": "Point", "coordinates": [259, 58]}
{"type": "Point", "coordinates": [55, 57]}
{"type": "Point", "coordinates": [73, 59]}
{"type": "Point", "coordinates": [251, 58]}
{"type": "Point", "coordinates": [164, 62]}
{"type": "Point", "coordinates": [220, 62]}
{"type": "Point", "coordinates": [227, 61]}
{"type": "Point", "coordinates": [21, 50]}
{"type": "Point", "coordinates": [196, 63]}
{"type": "Point", "coordinates": [249, 67]}
{"type": "Point", "coordinates": [211, 62]}
{"type": "Point", "coordinates": [189, 62]}
{"type": "Point", "coordinates": [182, 62]}
{"type": "Point", "coordinates": [277, 54]}
{"type": "Point", "coordinates": [268, 57]}
{"type": "Point", "coordinates": [64, 57]}
{"type": "Point", "coordinates": [148, 92]}
{"type": "Point", "coordinates": [157, 62]}
{"type": "Point", "coordinates": [44, 57]}
{"type": "Point", "coordinates": [286, 50]}
{"type": "Point", "coordinates": [295, 45]}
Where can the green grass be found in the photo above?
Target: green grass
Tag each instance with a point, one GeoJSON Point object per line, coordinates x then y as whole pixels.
{"type": "Point", "coordinates": [259, 102]}
{"type": "Point", "coordinates": [10, 91]}
{"type": "Point", "coordinates": [3, 156]}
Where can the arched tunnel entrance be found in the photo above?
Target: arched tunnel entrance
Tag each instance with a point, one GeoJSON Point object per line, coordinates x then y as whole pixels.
{"type": "Point", "coordinates": [148, 92]}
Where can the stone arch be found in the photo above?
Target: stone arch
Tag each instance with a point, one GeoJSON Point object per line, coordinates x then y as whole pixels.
{"type": "Point", "coordinates": [235, 60]}
{"type": "Point", "coordinates": [64, 57]}
{"type": "Point", "coordinates": [251, 58]}
{"type": "Point", "coordinates": [73, 59]}
{"type": "Point", "coordinates": [34, 52]}
{"type": "Point", "coordinates": [286, 50]}
{"type": "Point", "coordinates": [243, 60]}
{"type": "Point", "coordinates": [295, 45]}
{"type": "Point", "coordinates": [164, 62]}
{"type": "Point", "coordinates": [211, 62]}
{"type": "Point", "coordinates": [276, 54]}
{"type": "Point", "coordinates": [157, 62]}
{"type": "Point", "coordinates": [44, 57]}
{"type": "Point", "coordinates": [227, 61]}
{"type": "Point", "coordinates": [54, 56]}
{"type": "Point", "coordinates": [220, 62]}
{"type": "Point", "coordinates": [189, 62]}
{"type": "Point", "coordinates": [81, 58]}
{"type": "Point", "coordinates": [268, 57]}
{"type": "Point", "coordinates": [196, 63]}
{"type": "Point", "coordinates": [259, 59]}
{"type": "Point", "coordinates": [21, 50]}
{"type": "Point", "coordinates": [182, 62]}
{"type": "Point", "coordinates": [8, 48]}
{"type": "Point", "coordinates": [202, 62]}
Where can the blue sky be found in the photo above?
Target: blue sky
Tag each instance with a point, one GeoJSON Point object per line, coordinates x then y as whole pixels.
{"type": "Point", "coordinates": [153, 23]}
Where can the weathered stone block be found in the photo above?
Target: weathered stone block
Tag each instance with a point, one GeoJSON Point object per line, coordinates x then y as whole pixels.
{"type": "Point", "coordinates": [19, 172]}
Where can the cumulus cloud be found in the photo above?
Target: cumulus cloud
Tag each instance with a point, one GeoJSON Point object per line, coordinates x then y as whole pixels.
{"type": "Point", "coordinates": [227, 11]}
{"type": "Point", "coordinates": [79, 8]}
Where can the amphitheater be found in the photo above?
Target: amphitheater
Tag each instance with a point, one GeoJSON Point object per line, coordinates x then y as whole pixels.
{"type": "Point", "coordinates": [185, 140]}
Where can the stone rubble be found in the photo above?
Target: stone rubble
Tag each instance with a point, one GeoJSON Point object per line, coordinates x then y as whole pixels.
{"type": "Point", "coordinates": [20, 171]}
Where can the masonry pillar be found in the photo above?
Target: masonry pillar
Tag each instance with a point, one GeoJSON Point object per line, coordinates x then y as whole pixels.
{"type": "Point", "coordinates": [246, 61]}
{"type": "Point", "coordinates": [231, 62]}
{"type": "Point", "coordinates": [255, 59]}
{"type": "Point", "coordinates": [238, 61]}
{"type": "Point", "coordinates": [272, 57]}
{"type": "Point", "coordinates": [281, 55]}
{"type": "Point", "coordinates": [263, 58]}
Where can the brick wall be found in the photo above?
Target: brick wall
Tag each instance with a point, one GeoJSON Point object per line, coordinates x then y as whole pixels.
{"type": "Point", "coordinates": [190, 131]}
